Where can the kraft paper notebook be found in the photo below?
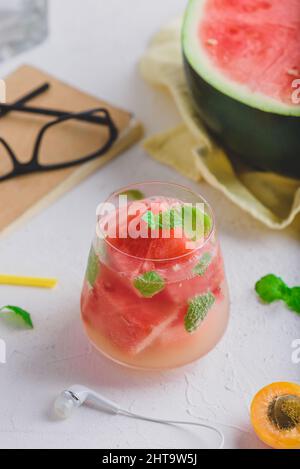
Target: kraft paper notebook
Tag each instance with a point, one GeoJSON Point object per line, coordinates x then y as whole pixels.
{"type": "Point", "coordinates": [24, 196]}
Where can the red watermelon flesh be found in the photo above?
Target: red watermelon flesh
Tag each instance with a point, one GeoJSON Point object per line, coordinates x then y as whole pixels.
{"type": "Point", "coordinates": [128, 253]}
{"type": "Point", "coordinates": [117, 313]}
{"type": "Point", "coordinates": [198, 285]}
{"type": "Point", "coordinates": [212, 281]}
{"type": "Point", "coordinates": [148, 249]}
{"type": "Point", "coordinates": [254, 43]}
{"type": "Point", "coordinates": [132, 323]}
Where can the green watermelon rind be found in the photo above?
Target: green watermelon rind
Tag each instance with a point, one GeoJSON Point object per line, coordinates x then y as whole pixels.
{"type": "Point", "coordinates": [202, 65]}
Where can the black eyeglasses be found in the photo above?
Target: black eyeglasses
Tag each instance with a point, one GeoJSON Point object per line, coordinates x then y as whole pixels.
{"type": "Point", "coordinates": [57, 139]}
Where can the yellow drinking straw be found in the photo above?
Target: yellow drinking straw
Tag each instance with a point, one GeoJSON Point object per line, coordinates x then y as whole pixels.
{"type": "Point", "coordinates": [28, 281]}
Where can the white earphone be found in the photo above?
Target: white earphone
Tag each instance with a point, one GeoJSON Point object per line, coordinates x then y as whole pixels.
{"type": "Point", "coordinates": [77, 395]}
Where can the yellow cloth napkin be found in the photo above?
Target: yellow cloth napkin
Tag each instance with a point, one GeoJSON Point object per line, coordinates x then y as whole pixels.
{"type": "Point", "coordinates": [270, 198]}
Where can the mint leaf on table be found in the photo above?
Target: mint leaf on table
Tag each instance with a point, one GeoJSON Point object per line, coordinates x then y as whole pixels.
{"type": "Point", "coordinates": [25, 316]}
{"type": "Point", "coordinates": [92, 268]}
{"type": "Point", "coordinates": [203, 265]}
{"type": "Point", "coordinates": [149, 284]}
{"type": "Point", "coordinates": [293, 299]}
{"type": "Point", "coordinates": [271, 288]}
{"type": "Point", "coordinates": [134, 194]}
{"type": "Point", "coordinates": [198, 310]}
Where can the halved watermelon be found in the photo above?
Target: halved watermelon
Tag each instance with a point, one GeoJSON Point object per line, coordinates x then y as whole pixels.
{"type": "Point", "coordinates": [242, 62]}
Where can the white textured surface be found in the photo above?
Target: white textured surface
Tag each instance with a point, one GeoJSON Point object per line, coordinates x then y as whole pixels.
{"type": "Point", "coordinates": [96, 44]}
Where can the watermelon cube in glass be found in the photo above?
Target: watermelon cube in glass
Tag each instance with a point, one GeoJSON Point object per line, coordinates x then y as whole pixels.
{"type": "Point", "coordinates": [155, 294]}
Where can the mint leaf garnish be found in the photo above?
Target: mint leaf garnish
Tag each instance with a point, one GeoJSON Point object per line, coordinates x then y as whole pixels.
{"type": "Point", "coordinates": [93, 267]}
{"type": "Point", "coordinates": [195, 222]}
{"type": "Point", "coordinates": [170, 219]}
{"type": "Point", "coordinates": [19, 312]}
{"type": "Point", "coordinates": [198, 310]}
{"type": "Point", "coordinates": [271, 288]}
{"type": "Point", "coordinates": [203, 265]}
{"type": "Point", "coordinates": [134, 194]}
{"type": "Point", "coordinates": [151, 220]}
{"type": "Point", "coordinates": [149, 284]}
{"type": "Point", "coordinates": [167, 220]}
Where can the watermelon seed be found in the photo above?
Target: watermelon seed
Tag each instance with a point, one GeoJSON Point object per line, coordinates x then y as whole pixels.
{"type": "Point", "coordinates": [212, 42]}
{"type": "Point", "coordinates": [293, 72]}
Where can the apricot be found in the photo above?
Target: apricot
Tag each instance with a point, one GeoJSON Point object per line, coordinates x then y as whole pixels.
{"type": "Point", "coordinates": [275, 415]}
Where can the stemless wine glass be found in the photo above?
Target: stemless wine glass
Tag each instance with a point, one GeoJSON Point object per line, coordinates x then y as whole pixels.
{"type": "Point", "coordinates": [155, 294]}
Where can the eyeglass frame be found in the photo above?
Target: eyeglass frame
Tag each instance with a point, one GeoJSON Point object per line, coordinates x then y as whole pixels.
{"type": "Point", "coordinates": [33, 165]}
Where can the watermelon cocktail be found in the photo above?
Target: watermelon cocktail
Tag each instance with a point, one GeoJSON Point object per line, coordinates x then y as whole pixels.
{"type": "Point", "coordinates": [155, 294]}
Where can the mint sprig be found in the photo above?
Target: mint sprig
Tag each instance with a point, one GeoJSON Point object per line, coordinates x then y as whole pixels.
{"type": "Point", "coordinates": [198, 310]}
{"type": "Point", "coordinates": [149, 284]}
{"type": "Point", "coordinates": [203, 264]}
{"type": "Point", "coordinates": [25, 316]}
{"type": "Point", "coordinates": [272, 288]}
{"type": "Point", "coordinates": [92, 267]}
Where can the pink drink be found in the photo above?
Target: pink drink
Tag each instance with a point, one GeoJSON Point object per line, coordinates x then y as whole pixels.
{"type": "Point", "coordinates": [155, 303]}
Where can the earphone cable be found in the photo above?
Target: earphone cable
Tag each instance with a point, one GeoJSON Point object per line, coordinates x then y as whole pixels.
{"type": "Point", "coordinates": [176, 422]}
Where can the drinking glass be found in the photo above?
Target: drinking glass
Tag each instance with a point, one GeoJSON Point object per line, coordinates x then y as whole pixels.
{"type": "Point", "coordinates": [23, 24]}
{"type": "Point", "coordinates": [155, 295]}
